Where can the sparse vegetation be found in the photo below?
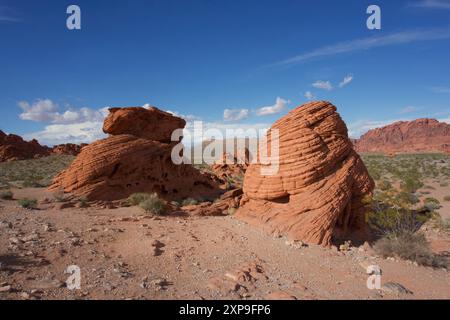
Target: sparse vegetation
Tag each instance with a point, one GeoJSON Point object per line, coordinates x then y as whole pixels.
{"type": "Point", "coordinates": [6, 195]}
{"type": "Point", "coordinates": [189, 202]}
{"type": "Point", "coordinates": [28, 203]}
{"type": "Point", "coordinates": [409, 246]}
{"type": "Point", "coordinates": [447, 198]}
{"type": "Point", "coordinates": [136, 198]}
{"type": "Point", "coordinates": [153, 204]}
{"type": "Point", "coordinates": [398, 208]}
{"type": "Point", "coordinates": [35, 173]}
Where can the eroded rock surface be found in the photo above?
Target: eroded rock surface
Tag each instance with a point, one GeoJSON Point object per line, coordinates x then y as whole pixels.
{"type": "Point", "coordinates": [13, 147]}
{"type": "Point", "coordinates": [316, 195]}
{"type": "Point", "coordinates": [134, 158]}
{"type": "Point", "coordinates": [421, 135]}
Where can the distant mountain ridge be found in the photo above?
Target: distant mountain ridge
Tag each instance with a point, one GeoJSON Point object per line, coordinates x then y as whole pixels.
{"type": "Point", "coordinates": [420, 135]}
{"type": "Point", "coordinates": [13, 147]}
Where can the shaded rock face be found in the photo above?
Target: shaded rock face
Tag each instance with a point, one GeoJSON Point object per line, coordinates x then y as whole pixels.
{"type": "Point", "coordinates": [124, 163]}
{"type": "Point", "coordinates": [68, 149]}
{"type": "Point", "coordinates": [316, 196]}
{"type": "Point", "coordinates": [13, 147]}
{"type": "Point", "coordinates": [421, 135]}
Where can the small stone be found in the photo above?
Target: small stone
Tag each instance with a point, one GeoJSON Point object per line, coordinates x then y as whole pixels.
{"type": "Point", "coordinates": [5, 289]}
{"type": "Point", "coordinates": [396, 288]}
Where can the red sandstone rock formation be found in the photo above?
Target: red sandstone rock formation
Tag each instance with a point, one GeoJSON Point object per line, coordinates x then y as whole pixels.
{"type": "Point", "coordinates": [134, 158]}
{"type": "Point", "coordinates": [421, 135]}
{"type": "Point", "coordinates": [151, 123]}
{"type": "Point", "coordinates": [13, 147]}
{"type": "Point", "coordinates": [316, 195]}
{"type": "Point", "coordinates": [68, 149]}
{"type": "Point", "coordinates": [231, 166]}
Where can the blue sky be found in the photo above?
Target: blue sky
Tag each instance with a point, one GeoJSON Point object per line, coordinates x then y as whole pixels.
{"type": "Point", "coordinates": [228, 63]}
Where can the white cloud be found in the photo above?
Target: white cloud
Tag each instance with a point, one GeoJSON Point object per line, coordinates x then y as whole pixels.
{"type": "Point", "coordinates": [235, 114]}
{"type": "Point", "coordinates": [432, 4]}
{"type": "Point", "coordinates": [408, 109]}
{"type": "Point", "coordinates": [347, 79]}
{"type": "Point", "coordinates": [45, 110]}
{"type": "Point", "coordinates": [54, 134]}
{"type": "Point", "coordinates": [278, 107]}
{"type": "Point", "coordinates": [325, 85]}
{"type": "Point", "coordinates": [188, 117]}
{"type": "Point", "coordinates": [309, 95]}
{"type": "Point", "coordinates": [402, 37]}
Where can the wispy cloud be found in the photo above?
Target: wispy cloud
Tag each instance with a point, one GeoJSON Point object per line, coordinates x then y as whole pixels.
{"type": "Point", "coordinates": [441, 89]}
{"type": "Point", "coordinates": [397, 38]}
{"type": "Point", "coordinates": [347, 79]}
{"type": "Point", "coordinates": [235, 114]}
{"type": "Point", "coordinates": [325, 85]}
{"type": "Point", "coordinates": [432, 4]}
{"type": "Point", "coordinates": [408, 109]}
{"type": "Point", "coordinates": [309, 95]}
{"type": "Point", "coordinates": [8, 15]}
{"type": "Point", "coordinates": [279, 106]}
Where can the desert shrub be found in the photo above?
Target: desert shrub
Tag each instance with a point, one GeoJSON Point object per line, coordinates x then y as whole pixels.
{"type": "Point", "coordinates": [32, 184]}
{"type": "Point", "coordinates": [443, 184]}
{"type": "Point", "coordinates": [28, 203]}
{"type": "Point", "coordinates": [411, 184]}
{"type": "Point", "coordinates": [136, 198]}
{"type": "Point", "coordinates": [409, 246]}
{"type": "Point", "coordinates": [442, 224]}
{"type": "Point", "coordinates": [447, 198]}
{"type": "Point", "coordinates": [153, 204]}
{"type": "Point", "coordinates": [407, 198]}
{"type": "Point", "coordinates": [189, 202]}
{"type": "Point", "coordinates": [384, 185]}
{"type": "Point", "coordinates": [6, 194]}
{"type": "Point", "coordinates": [431, 204]}
{"type": "Point", "coordinates": [231, 210]}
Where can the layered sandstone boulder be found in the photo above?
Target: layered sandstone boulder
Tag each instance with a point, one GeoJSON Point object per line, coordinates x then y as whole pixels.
{"type": "Point", "coordinates": [13, 147]}
{"type": "Point", "coordinates": [136, 157]}
{"type": "Point", "coordinates": [421, 135]}
{"type": "Point", "coordinates": [316, 193]}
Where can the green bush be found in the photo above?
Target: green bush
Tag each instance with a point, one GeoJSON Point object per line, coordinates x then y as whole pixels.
{"type": "Point", "coordinates": [136, 198]}
{"type": "Point", "coordinates": [28, 203]}
{"type": "Point", "coordinates": [189, 202]}
{"type": "Point", "coordinates": [6, 194]}
{"type": "Point", "coordinates": [384, 185]}
{"type": "Point", "coordinates": [411, 184]}
{"type": "Point", "coordinates": [153, 204]}
{"type": "Point", "coordinates": [409, 246]}
{"type": "Point", "coordinates": [431, 204]}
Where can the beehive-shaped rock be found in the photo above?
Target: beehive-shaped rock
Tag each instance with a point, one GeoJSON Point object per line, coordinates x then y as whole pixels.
{"type": "Point", "coordinates": [316, 194]}
{"type": "Point", "coordinates": [134, 158]}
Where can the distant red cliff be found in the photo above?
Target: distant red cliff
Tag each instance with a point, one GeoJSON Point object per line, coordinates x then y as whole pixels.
{"type": "Point", "coordinates": [421, 135]}
{"type": "Point", "coordinates": [13, 147]}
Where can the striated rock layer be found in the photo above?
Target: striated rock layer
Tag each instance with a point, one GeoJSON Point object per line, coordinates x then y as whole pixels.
{"type": "Point", "coordinates": [13, 147]}
{"type": "Point", "coordinates": [316, 195]}
{"type": "Point", "coordinates": [421, 135]}
{"type": "Point", "coordinates": [131, 161]}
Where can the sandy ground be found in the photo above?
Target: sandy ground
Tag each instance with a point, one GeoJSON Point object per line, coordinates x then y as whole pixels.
{"type": "Point", "coordinates": [124, 254]}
